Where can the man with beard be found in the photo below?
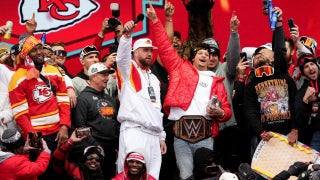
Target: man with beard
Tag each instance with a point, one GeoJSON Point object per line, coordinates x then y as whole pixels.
{"type": "Point", "coordinates": [140, 105]}
{"type": "Point", "coordinates": [38, 96]}
{"type": "Point", "coordinates": [307, 103]}
{"type": "Point", "coordinates": [269, 97]}
{"type": "Point", "coordinates": [90, 163]}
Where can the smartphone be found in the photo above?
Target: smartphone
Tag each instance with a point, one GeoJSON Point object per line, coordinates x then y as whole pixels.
{"type": "Point", "coordinates": [85, 131]}
{"type": "Point", "coordinates": [243, 54]}
{"type": "Point", "coordinates": [35, 139]}
{"type": "Point", "coordinates": [290, 23]}
{"type": "Point", "coordinates": [214, 101]}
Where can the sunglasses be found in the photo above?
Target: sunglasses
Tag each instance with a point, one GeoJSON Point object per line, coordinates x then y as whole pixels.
{"type": "Point", "coordinates": [266, 70]}
{"type": "Point", "coordinates": [91, 157]}
{"type": "Point", "coordinates": [60, 52]}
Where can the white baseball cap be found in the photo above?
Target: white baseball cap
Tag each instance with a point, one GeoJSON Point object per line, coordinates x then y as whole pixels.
{"type": "Point", "coordinates": [228, 176]}
{"type": "Point", "coordinates": [99, 68]}
{"type": "Point", "coordinates": [143, 42]}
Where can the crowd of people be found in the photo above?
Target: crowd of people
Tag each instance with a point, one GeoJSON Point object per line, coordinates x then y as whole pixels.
{"type": "Point", "coordinates": [144, 111]}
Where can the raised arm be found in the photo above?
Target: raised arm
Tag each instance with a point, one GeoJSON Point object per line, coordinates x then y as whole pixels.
{"type": "Point", "coordinates": [278, 44]}
{"type": "Point", "coordinates": [169, 11]}
{"type": "Point", "coordinates": [123, 58]}
{"type": "Point", "coordinates": [233, 51]}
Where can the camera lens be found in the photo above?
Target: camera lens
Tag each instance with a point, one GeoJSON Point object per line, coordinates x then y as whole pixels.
{"type": "Point", "coordinates": [113, 23]}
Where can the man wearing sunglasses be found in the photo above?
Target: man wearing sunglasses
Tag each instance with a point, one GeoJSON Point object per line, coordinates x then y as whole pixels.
{"type": "Point", "coordinates": [307, 103]}
{"type": "Point", "coordinates": [90, 163]}
{"type": "Point", "coordinates": [59, 57]}
{"type": "Point", "coordinates": [269, 96]}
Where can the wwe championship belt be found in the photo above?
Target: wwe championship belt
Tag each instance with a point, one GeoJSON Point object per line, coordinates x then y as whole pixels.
{"type": "Point", "coordinates": [192, 128]}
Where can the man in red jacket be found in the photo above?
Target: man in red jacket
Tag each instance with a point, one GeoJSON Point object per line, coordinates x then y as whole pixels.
{"type": "Point", "coordinates": [191, 86]}
{"type": "Point", "coordinates": [14, 161]}
{"type": "Point", "coordinates": [135, 167]}
{"type": "Point", "coordinates": [90, 166]}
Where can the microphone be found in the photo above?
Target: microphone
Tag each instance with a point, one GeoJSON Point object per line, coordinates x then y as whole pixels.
{"type": "Point", "coordinates": [7, 35]}
{"type": "Point", "coordinates": [140, 17]}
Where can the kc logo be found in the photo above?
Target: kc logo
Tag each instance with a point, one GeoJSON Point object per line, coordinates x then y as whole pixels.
{"type": "Point", "coordinates": [42, 93]}
{"type": "Point", "coordinates": [53, 15]}
{"type": "Point", "coordinates": [57, 7]}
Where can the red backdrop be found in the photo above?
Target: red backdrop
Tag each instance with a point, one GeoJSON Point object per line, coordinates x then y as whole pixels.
{"type": "Point", "coordinates": [76, 22]}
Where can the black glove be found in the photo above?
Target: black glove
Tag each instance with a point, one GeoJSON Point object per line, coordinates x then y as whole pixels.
{"type": "Point", "coordinates": [297, 168]}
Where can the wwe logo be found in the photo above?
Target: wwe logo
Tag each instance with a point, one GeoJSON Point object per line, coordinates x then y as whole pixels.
{"type": "Point", "coordinates": [193, 127]}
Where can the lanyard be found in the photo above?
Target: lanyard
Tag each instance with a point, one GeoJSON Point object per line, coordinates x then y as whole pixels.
{"type": "Point", "coordinates": [151, 92]}
{"type": "Point", "coordinates": [315, 86]}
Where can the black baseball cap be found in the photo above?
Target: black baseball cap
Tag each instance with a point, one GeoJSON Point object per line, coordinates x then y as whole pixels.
{"type": "Point", "coordinates": [15, 50]}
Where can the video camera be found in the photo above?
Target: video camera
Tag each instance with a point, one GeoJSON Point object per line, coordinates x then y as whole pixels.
{"type": "Point", "coordinates": [114, 22]}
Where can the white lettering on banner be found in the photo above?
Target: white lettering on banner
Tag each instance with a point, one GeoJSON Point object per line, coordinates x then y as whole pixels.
{"type": "Point", "coordinates": [258, 150]}
{"type": "Point", "coordinates": [53, 15]}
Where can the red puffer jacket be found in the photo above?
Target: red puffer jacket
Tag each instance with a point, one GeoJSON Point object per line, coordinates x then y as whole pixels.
{"type": "Point", "coordinates": [19, 166]}
{"type": "Point", "coordinates": [184, 78]}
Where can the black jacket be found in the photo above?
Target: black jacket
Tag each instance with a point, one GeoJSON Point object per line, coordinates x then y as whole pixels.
{"type": "Point", "coordinates": [269, 100]}
{"type": "Point", "coordinates": [97, 110]}
{"type": "Point", "coordinates": [306, 123]}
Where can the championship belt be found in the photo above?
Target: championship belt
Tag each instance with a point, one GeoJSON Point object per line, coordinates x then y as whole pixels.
{"type": "Point", "coordinates": [192, 128]}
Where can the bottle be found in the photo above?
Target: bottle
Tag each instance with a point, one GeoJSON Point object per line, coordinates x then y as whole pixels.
{"type": "Point", "coordinates": [7, 35]}
{"type": "Point", "coordinates": [272, 15]}
{"type": "Point", "coordinates": [43, 38]}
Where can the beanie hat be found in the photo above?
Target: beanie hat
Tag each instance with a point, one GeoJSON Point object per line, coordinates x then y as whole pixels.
{"type": "Point", "coordinates": [214, 46]}
{"type": "Point", "coordinates": [136, 156]}
{"type": "Point", "coordinates": [200, 157]}
{"type": "Point", "coordinates": [193, 51]}
{"type": "Point", "coordinates": [26, 46]}
{"type": "Point", "coordinates": [93, 150]}
{"type": "Point", "coordinates": [304, 59]}
{"type": "Point", "coordinates": [11, 139]}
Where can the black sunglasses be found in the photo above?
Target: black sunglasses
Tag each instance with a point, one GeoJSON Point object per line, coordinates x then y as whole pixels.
{"type": "Point", "coordinates": [58, 52]}
{"type": "Point", "coordinates": [90, 158]}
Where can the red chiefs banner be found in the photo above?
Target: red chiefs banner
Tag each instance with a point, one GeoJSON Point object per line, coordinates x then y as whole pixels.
{"type": "Point", "coordinates": [77, 22]}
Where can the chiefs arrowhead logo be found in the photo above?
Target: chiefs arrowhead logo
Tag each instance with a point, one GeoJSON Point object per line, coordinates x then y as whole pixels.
{"type": "Point", "coordinates": [52, 15]}
{"type": "Point", "coordinates": [41, 93]}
